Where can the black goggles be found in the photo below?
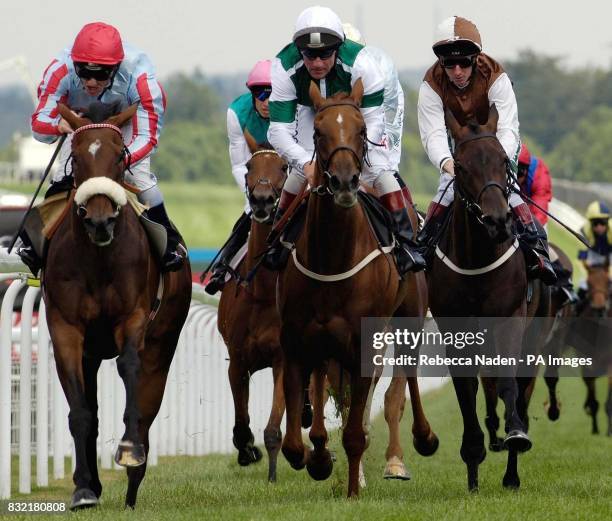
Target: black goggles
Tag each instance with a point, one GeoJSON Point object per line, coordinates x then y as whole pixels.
{"type": "Point", "coordinates": [596, 222]}
{"type": "Point", "coordinates": [97, 72]}
{"type": "Point", "coordinates": [313, 54]}
{"type": "Point", "coordinates": [261, 94]}
{"type": "Point", "coordinates": [450, 62]}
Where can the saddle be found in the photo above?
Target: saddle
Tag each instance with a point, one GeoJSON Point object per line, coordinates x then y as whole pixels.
{"type": "Point", "coordinates": [45, 218]}
{"type": "Point", "coordinates": [380, 220]}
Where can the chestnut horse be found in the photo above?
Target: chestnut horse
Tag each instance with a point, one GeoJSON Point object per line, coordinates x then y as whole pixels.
{"type": "Point", "coordinates": [480, 272]}
{"type": "Point", "coordinates": [248, 320]}
{"type": "Point", "coordinates": [100, 287]}
{"type": "Point", "coordinates": [321, 318]}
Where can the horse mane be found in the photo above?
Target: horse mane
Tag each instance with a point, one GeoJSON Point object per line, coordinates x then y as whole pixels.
{"type": "Point", "coordinates": [264, 146]}
{"type": "Point", "coordinates": [98, 112]}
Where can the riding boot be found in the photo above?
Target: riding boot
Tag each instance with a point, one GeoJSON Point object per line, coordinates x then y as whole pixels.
{"type": "Point", "coordinates": [172, 260]}
{"type": "Point", "coordinates": [436, 215]}
{"type": "Point", "coordinates": [408, 258]}
{"type": "Point", "coordinates": [533, 237]}
{"type": "Point", "coordinates": [276, 257]}
{"type": "Point", "coordinates": [564, 283]}
{"type": "Point", "coordinates": [240, 234]}
{"type": "Point", "coordinates": [65, 184]}
{"type": "Point", "coordinates": [28, 254]}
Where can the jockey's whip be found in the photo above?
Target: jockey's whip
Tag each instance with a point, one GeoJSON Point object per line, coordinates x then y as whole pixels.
{"type": "Point", "coordinates": [42, 180]}
{"type": "Point", "coordinates": [558, 221]}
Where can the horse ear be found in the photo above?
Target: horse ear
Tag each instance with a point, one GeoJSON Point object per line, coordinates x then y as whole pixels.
{"type": "Point", "coordinates": [120, 119]}
{"type": "Point", "coordinates": [357, 92]}
{"type": "Point", "coordinates": [452, 124]}
{"type": "Point", "coordinates": [493, 118]}
{"type": "Point", "coordinates": [251, 143]}
{"type": "Point", "coordinates": [73, 120]}
{"type": "Point", "coordinates": [315, 95]}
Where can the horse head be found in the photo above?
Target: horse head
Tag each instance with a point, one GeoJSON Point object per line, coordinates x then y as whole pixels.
{"type": "Point", "coordinates": [98, 164]}
{"type": "Point", "coordinates": [264, 179]}
{"type": "Point", "coordinates": [481, 169]}
{"type": "Point", "coordinates": [598, 283]}
{"type": "Point", "coordinates": [340, 141]}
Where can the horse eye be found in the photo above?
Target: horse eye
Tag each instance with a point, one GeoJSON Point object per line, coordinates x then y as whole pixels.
{"type": "Point", "coordinates": [285, 168]}
{"type": "Point", "coordinates": [248, 165]}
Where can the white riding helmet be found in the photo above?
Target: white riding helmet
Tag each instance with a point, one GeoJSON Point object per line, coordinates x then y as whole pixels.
{"type": "Point", "coordinates": [352, 33]}
{"type": "Point", "coordinates": [318, 27]}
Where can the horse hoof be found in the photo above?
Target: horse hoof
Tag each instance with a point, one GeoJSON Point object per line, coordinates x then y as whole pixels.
{"type": "Point", "coordinates": [511, 482]}
{"type": "Point", "coordinates": [497, 445]}
{"type": "Point", "coordinates": [517, 440]}
{"type": "Point", "coordinates": [130, 454]}
{"type": "Point", "coordinates": [83, 498]}
{"type": "Point", "coordinates": [307, 417]}
{"type": "Point", "coordinates": [396, 469]}
{"type": "Point", "coordinates": [319, 467]}
{"type": "Point", "coordinates": [553, 410]}
{"type": "Point", "coordinates": [426, 447]}
{"type": "Point", "coordinates": [249, 455]}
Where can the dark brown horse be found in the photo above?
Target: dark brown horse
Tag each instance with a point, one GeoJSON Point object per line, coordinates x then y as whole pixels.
{"type": "Point", "coordinates": [248, 319]}
{"type": "Point", "coordinates": [479, 272]}
{"type": "Point", "coordinates": [100, 287]}
{"type": "Point", "coordinates": [591, 331]}
{"type": "Point", "coordinates": [542, 336]}
{"type": "Point", "coordinates": [322, 297]}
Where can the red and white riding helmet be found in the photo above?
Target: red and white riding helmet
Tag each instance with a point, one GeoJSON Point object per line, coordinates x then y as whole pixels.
{"type": "Point", "coordinates": [98, 43]}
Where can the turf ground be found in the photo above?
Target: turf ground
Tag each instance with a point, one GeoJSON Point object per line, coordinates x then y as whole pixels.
{"type": "Point", "coordinates": [567, 475]}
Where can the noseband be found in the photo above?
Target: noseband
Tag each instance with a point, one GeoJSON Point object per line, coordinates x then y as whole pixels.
{"type": "Point", "coordinates": [323, 165]}
{"type": "Point", "coordinates": [263, 181]}
{"type": "Point", "coordinates": [473, 204]}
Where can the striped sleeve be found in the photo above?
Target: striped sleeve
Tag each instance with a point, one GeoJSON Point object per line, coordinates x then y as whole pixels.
{"type": "Point", "coordinates": [148, 120]}
{"type": "Point", "coordinates": [53, 89]}
{"type": "Point", "coordinates": [283, 107]}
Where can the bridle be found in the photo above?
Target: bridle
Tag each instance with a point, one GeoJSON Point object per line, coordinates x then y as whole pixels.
{"type": "Point", "coordinates": [472, 205]}
{"type": "Point", "coordinates": [265, 182]}
{"type": "Point", "coordinates": [323, 164]}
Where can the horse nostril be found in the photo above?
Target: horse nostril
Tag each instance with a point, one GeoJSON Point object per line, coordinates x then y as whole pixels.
{"type": "Point", "coordinates": [355, 182]}
{"type": "Point", "coordinates": [81, 211]}
{"type": "Point", "coordinates": [335, 182]}
{"type": "Point", "coordinates": [270, 200]}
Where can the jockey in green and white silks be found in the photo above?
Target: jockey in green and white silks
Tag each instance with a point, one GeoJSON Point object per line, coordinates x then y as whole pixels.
{"type": "Point", "coordinates": [247, 113]}
{"type": "Point", "coordinates": [320, 53]}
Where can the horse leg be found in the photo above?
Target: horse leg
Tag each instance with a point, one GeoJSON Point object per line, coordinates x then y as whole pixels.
{"type": "Point", "coordinates": [609, 404]}
{"type": "Point", "coordinates": [68, 353]}
{"type": "Point", "coordinates": [151, 385]}
{"type": "Point", "coordinates": [395, 400]}
{"type": "Point", "coordinates": [354, 435]}
{"type": "Point", "coordinates": [591, 405]}
{"type": "Point", "coordinates": [90, 372]}
{"type": "Point", "coordinates": [472, 450]}
{"type": "Point", "coordinates": [307, 411]}
{"type": "Point", "coordinates": [243, 438]}
{"type": "Point", "coordinates": [272, 433]}
{"type": "Point", "coordinates": [553, 407]}
{"type": "Point", "coordinates": [293, 385]}
{"type": "Point", "coordinates": [496, 444]}
{"type": "Point", "coordinates": [131, 451]}
{"type": "Point", "coordinates": [319, 463]}
{"type": "Point", "coordinates": [424, 439]}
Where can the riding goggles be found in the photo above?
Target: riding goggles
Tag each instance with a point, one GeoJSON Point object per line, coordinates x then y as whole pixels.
{"type": "Point", "coordinates": [450, 62]}
{"type": "Point", "coordinates": [261, 93]}
{"type": "Point", "coordinates": [93, 70]}
{"type": "Point", "coordinates": [313, 54]}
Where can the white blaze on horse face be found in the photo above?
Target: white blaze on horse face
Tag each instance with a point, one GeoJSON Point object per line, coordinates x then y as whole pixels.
{"type": "Point", "coordinates": [93, 148]}
{"type": "Point", "coordinates": [339, 120]}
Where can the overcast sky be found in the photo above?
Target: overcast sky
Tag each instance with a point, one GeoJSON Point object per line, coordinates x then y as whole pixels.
{"type": "Point", "coordinates": [227, 36]}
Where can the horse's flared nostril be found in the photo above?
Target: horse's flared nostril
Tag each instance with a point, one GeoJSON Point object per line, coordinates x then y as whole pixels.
{"type": "Point", "coordinates": [335, 183]}
{"type": "Point", "coordinates": [354, 184]}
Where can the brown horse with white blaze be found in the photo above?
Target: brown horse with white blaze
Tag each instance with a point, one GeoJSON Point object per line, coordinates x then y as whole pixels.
{"type": "Point", "coordinates": [322, 297]}
{"type": "Point", "coordinates": [100, 287]}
